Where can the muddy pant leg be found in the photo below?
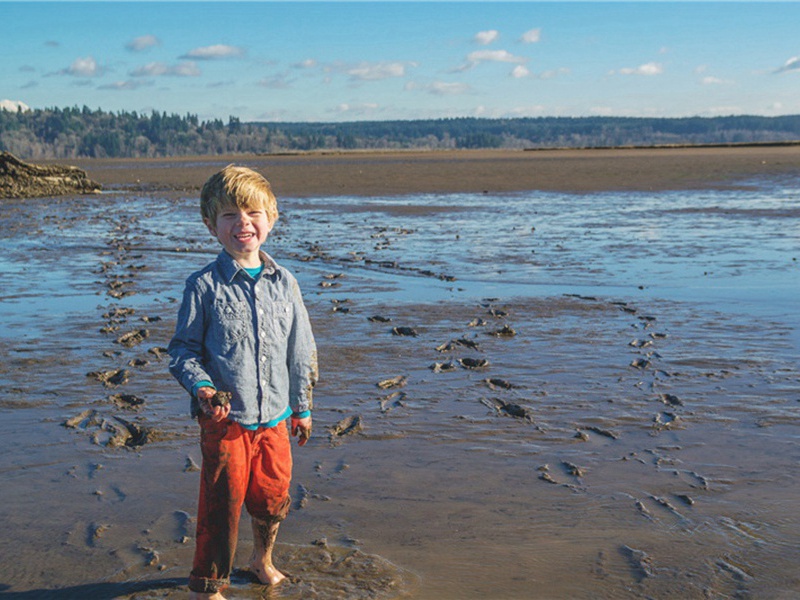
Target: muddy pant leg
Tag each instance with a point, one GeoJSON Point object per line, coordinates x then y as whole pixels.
{"type": "Point", "coordinates": [268, 497]}
{"type": "Point", "coordinates": [223, 484]}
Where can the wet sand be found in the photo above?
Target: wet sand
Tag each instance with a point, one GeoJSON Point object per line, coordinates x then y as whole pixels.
{"type": "Point", "coordinates": [468, 171]}
{"type": "Point", "coordinates": [595, 396]}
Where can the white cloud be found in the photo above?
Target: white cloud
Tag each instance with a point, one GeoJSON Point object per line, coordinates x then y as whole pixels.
{"type": "Point", "coordinates": [123, 86]}
{"type": "Point", "coordinates": [793, 64]}
{"type": "Point", "coordinates": [520, 72]}
{"type": "Point", "coordinates": [553, 73]}
{"type": "Point", "coordinates": [308, 63]}
{"type": "Point", "coordinates": [710, 80]}
{"type": "Point", "coordinates": [486, 37]}
{"type": "Point", "coordinates": [439, 88]}
{"type": "Point", "coordinates": [214, 52]}
{"type": "Point", "coordinates": [280, 81]}
{"type": "Point", "coordinates": [723, 111]}
{"type": "Point", "coordinates": [480, 56]}
{"type": "Point", "coordinates": [532, 36]}
{"type": "Point", "coordinates": [142, 42]}
{"type": "Point", "coordinates": [365, 108]}
{"type": "Point", "coordinates": [647, 70]}
{"type": "Point", "coordinates": [502, 113]}
{"type": "Point", "coordinates": [601, 111]}
{"type": "Point", "coordinates": [377, 71]}
{"type": "Point", "coordinates": [483, 56]}
{"type": "Point", "coordinates": [527, 111]}
{"type": "Point", "coordinates": [13, 105]}
{"type": "Point", "coordinates": [159, 69]}
{"type": "Point", "coordinates": [84, 67]}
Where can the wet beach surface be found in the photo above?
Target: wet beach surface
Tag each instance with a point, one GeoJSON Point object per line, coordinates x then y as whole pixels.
{"type": "Point", "coordinates": [526, 394]}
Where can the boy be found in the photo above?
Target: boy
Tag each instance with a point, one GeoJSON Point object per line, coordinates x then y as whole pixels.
{"type": "Point", "coordinates": [243, 329]}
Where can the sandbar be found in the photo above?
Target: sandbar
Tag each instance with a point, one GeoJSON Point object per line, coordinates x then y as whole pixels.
{"type": "Point", "coordinates": [469, 171]}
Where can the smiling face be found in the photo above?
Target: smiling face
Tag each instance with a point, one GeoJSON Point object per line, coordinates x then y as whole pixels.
{"type": "Point", "coordinates": [241, 231]}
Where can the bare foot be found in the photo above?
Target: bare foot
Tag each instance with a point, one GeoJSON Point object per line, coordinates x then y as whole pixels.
{"type": "Point", "coordinates": [266, 573]}
{"type": "Point", "coordinates": [202, 596]}
{"type": "Point", "coordinates": [264, 534]}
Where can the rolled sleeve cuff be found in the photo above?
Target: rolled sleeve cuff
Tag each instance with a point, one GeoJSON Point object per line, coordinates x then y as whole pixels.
{"type": "Point", "coordinates": [199, 384]}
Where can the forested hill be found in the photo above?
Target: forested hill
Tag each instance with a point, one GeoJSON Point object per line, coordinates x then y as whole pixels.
{"type": "Point", "coordinates": [82, 132]}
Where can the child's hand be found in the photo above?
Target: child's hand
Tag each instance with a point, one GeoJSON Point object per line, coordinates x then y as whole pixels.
{"type": "Point", "coordinates": [217, 413]}
{"type": "Point", "coordinates": [301, 427]}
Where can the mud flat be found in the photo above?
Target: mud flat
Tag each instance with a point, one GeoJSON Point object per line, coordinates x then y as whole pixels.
{"type": "Point", "coordinates": [586, 395]}
{"type": "Point", "coordinates": [468, 171]}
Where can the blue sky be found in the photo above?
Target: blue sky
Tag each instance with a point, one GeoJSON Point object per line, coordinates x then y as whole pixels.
{"type": "Point", "coordinates": [339, 61]}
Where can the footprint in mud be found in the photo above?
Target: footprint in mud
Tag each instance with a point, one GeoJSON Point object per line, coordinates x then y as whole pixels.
{"type": "Point", "coordinates": [133, 338]}
{"type": "Point", "coordinates": [404, 331]}
{"type": "Point", "coordinates": [394, 400]}
{"type": "Point", "coordinates": [327, 571]}
{"type": "Point", "coordinates": [505, 331]}
{"type": "Point", "coordinates": [509, 409]}
{"type": "Point", "coordinates": [304, 495]}
{"type": "Point", "coordinates": [158, 351]}
{"type": "Point", "coordinates": [583, 435]}
{"type": "Point", "coordinates": [459, 343]}
{"type": "Point", "coordinates": [127, 401]}
{"type": "Point", "coordinates": [379, 319]}
{"type": "Point", "coordinates": [495, 383]}
{"type": "Point", "coordinates": [111, 378]}
{"type": "Point", "coordinates": [443, 367]}
{"type": "Point", "coordinates": [393, 382]}
{"type": "Point", "coordinates": [346, 427]}
{"type": "Point", "coordinates": [569, 469]}
{"type": "Point", "coordinates": [639, 561]}
{"type": "Point", "coordinates": [474, 363]}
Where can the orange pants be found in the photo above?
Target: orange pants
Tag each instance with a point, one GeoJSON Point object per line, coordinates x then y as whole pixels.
{"type": "Point", "coordinates": [240, 466]}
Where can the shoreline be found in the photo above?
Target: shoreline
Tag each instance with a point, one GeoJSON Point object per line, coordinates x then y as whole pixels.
{"type": "Point", "coordinates": [401, 172]}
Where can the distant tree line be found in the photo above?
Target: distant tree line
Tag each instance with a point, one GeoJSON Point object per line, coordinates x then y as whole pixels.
{"type": "Point", "coordinates": [83, 132]}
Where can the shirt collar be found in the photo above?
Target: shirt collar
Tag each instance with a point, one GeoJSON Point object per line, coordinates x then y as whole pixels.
{"type": "Point", "coordinates": [230, 267]}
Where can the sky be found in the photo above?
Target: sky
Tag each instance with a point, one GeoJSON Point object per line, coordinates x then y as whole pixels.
{"type": "Point", "coordinates": [355, 61]}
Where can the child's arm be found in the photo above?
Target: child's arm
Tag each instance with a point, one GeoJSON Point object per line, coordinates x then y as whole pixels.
{"type": "Point", "coordinates": [301, 358]}
{"type": "Point", "coordinates": [186, 346]}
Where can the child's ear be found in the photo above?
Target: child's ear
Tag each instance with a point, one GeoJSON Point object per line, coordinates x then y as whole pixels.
{"type": "Point", "coordinates": [211, 228]}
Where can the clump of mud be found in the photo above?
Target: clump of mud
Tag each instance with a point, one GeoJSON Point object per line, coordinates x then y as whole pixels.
{"type": "Point", "coordinates": [114, 432]}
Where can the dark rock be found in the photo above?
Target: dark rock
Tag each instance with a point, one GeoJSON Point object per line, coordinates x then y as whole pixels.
{"type": "Point", "coordinates": [24, 180]}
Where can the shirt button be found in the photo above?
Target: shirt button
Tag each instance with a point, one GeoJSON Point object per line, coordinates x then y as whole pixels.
{"type": "Point", "coordinates": [261, 311]}
{"type": "Point", "coordinates": [263, 359]}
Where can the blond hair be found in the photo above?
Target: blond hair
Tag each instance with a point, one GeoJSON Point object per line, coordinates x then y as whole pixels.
{"type": "Point", "coordinates": [240, 187]}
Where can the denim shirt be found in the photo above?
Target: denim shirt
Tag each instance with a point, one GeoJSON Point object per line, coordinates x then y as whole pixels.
{"type": "Point", "coordinates": [248, 336]}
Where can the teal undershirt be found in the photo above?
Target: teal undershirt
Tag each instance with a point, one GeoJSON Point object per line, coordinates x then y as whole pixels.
{"type": "Point", "coordinates": [255, 272]}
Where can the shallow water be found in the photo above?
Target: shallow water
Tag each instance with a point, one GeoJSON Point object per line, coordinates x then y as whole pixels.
{"type": "Point", "coordinates": [653, 372]}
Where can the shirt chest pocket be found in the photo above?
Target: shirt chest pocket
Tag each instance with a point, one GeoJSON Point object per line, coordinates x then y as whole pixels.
{"type": "Point", "coordinates": [282, 317]}
{"type": "Point", "coordinates": [229, 323]}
